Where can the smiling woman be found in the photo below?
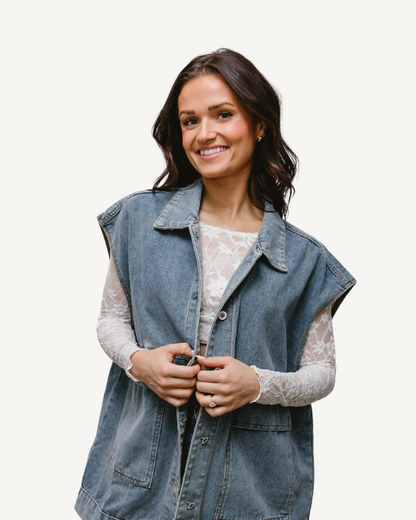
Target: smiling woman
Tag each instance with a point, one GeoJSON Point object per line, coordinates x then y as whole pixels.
{"type": "Point", "coordinates": [218, 135]}
{"type": "Point", "coordinates": [217, 314]}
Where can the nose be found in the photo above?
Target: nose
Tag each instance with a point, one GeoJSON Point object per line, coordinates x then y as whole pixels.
{"type": "Point", "coordinates": [206, 131]}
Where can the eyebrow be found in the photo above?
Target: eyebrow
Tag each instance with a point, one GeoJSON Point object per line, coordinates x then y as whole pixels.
{"type": "Point", "coordinates": [212, 107]}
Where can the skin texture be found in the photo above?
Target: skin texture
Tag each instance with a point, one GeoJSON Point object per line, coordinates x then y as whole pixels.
{"type": "Point", "coordinates": [173, 383]}
{"type": "Point", "coordinates": [211, 117]}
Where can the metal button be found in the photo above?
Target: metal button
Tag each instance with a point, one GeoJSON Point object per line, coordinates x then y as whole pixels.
{"type": "Point", "coordinates": [184, 419]}
{"type": "Point", "coordinates": [258, 248]}
{"type": "Point", "coordinates": [204, 440]}
{"type": "Point", "coordinates": [190, 505]}
{"type": "Point", "coordinates": [222, 316]}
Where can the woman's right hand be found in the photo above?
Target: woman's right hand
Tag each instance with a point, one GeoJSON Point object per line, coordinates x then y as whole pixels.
{"type": "Point", "coordinates": [173, 383]}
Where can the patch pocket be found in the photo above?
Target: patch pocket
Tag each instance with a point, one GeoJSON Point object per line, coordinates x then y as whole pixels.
{"type": "Point", "coordinates": [262, 417]}
{"type": "Point", "coordinates": [135, 446]}
{"type": "Point", "coordinates": [259, 473]}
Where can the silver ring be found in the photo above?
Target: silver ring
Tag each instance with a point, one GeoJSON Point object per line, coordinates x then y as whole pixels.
{"type": "Point", "coordinates": [212, 404]}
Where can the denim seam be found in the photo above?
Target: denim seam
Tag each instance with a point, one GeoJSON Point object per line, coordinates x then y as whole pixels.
{"type": "Point", "coordinates": [120, 277]}
{"type": "Point", "coordinates": [227, 462]}
{"type": "Point", "coordinates": [153, 453]}
{"type": "Point", "coordinates": [296, 231]}
{"type": "Point", "coordinates": [206, 466]}
{"type": "Point", "coordinates": [97, 505]}
{"type": "Point", "coordinates": [292, 483]}
{"type": "Point", "coordinates": [199, 275]}
{"type": "Point", "coordinates": [190, 303]}
{"type": "Point", "coordinates": [229, 293]}
{"type": "Point", "coordinates": [105, 217]}
{"type": "Point", "coordinates": [263, 427]}
{"type": "Point", "coordinates": [231, 325]}
{"type": "Point", "coordinates": [161, 215]}
{"type": "Point", "coordinates": [337, 295]}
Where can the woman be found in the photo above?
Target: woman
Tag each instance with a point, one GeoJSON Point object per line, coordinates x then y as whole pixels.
{"type": "Point", "coordinates": [217, 314]}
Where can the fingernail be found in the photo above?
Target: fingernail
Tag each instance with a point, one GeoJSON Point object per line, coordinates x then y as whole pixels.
{"type": "Point", "coordinates": [201, 357]}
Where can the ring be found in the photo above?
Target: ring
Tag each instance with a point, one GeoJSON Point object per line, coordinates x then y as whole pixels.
{"type": "Point", "coordinates": [212, 404]}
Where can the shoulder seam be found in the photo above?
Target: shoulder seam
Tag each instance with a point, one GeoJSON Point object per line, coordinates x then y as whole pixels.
{"type": "Point", "coordinates": [346, 283]}
{"type": "Point", "coordinates": [106, 217]}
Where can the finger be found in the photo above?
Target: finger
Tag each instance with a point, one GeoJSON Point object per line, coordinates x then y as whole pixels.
{"type": "Point", "coordinates": [211, 376]}
{"type": "Point", "coordinates": [206, 400]}
{"type": "Point", "coordinates": [180, 372]}
{"type": "Point", "coordinates": [176, 349]}
{"type": "Point", "coordinates": [215, 361]}
{"type": "Point", "coordinates": [175, 401]}
{"type": "Point", "coordinates": [207, 388]}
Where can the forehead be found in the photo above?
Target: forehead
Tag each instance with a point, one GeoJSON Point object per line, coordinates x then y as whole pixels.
{"type": "Point", "coordinates": [205, 91]}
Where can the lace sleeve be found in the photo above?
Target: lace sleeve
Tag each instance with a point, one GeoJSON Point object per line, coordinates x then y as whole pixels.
{"type": "Point", "coordinates": [315, 378]}
{"type": "Point", "coordinates": [114, 330]}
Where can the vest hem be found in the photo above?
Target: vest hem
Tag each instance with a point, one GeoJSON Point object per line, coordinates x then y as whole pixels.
{"type": "Point", "coordinates": [88, 509]}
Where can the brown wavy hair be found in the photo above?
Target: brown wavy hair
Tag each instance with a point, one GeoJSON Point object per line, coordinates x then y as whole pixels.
{"type": "Point", "coordinates": [274, 164]}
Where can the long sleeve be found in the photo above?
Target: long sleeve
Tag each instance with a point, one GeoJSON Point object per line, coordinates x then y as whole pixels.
{"type": "Point", "coordinates": [114, 330]}
{"type": "Point", "coordinates": [315, 378]}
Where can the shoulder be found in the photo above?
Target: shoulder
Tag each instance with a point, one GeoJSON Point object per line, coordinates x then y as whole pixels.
{"type": "Point", "coordinates": [299, 242]}
{"type": "Point", "coordinates": [301, 237]}
{"type": "Point", "coordinates": [139, 200]}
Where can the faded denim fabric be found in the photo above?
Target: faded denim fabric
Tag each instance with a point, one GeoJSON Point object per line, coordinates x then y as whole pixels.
{"type": "Point", "coordinates": [255, 463]}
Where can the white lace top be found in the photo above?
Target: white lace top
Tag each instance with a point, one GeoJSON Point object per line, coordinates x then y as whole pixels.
{"type": "Point", "coordinates": [222, 253]}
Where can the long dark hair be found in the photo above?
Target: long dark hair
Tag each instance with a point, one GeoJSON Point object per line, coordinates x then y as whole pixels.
{"type": "Point", "coordinates": [273, 165]}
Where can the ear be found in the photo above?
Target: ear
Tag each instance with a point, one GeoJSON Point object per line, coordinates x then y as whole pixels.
{"type": "Point", "coordinates": [260, 130]}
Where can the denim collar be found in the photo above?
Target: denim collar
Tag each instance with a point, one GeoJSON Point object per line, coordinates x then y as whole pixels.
{"type": "Point", "coordinates": [183, 211]}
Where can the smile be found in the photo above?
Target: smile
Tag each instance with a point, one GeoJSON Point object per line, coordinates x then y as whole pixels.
{"type": "Point", "coordinates": [211, 151]}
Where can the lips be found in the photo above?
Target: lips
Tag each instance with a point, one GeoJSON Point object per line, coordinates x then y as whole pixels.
{"type": "Point", "coordinates": [211, 151]}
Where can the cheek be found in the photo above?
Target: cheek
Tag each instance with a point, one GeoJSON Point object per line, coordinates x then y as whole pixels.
{"type": "Point", "coordinates": [186, 141]}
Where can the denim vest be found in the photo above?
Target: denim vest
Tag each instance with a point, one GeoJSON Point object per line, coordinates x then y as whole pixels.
{"type": "Point", "coordinates": [255, 463]}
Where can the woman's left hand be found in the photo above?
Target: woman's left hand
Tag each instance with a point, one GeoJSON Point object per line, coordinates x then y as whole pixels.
{"type": "Point", "coordinates": [231, 387]}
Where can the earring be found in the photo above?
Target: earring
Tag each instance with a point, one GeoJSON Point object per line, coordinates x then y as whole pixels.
{"type": "Point", "coordinates": [260, 138]}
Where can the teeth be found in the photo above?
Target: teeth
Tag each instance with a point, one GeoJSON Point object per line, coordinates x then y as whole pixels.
{"type": "Point", "coordinates": [213, 150]}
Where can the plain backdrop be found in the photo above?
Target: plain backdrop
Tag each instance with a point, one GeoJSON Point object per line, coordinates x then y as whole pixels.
{"type": "Point", "coordinates": [81, 85]}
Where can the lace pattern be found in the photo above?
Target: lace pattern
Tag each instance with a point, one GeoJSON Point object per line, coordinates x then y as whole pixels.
{"type": "Point", "coordinates": [114, 330]}
{"type": "Point", "coordinates": [315, 378]}
{"type": "Point", "coordinates": [222, 252]}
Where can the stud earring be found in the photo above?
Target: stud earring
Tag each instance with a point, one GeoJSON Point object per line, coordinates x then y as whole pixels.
{"type": "Point", "coordinates": [260, 138]}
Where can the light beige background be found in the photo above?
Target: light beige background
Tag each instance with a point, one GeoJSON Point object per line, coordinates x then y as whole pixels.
{"type": "Point", "coordinates": [81, 84]}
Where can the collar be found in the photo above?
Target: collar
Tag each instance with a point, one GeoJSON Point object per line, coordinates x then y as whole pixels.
{"type": "Point", "coordinates": [183, 211]}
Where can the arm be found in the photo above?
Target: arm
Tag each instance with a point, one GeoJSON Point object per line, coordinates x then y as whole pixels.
{"type": "Point", "coordinates": [237, 384]}
{"type": "Point", "coordinates": [315, 378]}
{"type": "Point", "coordinates": [114, 330]}
{"type": "Point", "coordinates": [175, 384]}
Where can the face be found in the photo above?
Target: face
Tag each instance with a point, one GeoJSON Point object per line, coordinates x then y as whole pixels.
{"type": "Point", "coordinates": [218, 135]}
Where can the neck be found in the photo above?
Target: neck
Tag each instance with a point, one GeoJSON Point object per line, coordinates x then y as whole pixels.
{"type": "Point", "coordinates": [227, 204]}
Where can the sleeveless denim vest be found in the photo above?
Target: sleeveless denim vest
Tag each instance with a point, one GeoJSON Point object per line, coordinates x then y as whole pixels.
{"type": "Point", "coordinates": [255, 463]}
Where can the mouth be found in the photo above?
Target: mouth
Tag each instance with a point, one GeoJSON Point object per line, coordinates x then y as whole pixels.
{"type": "Point", "coordinates": [212, 151]}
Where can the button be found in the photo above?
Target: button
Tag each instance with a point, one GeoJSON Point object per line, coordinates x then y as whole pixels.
{"type": "Point", "coordinates": [222, 315]}
{"type": "Point", "coordinates": [184, 419]}
{"type": "Point", "coordinates": [258, 248]}
{"type": "Point", "coordinates": [196, 233]}
{"type": "Point", "coordinates": [204, 440]}
{"type": "Point", "coordinates": [190, 505]}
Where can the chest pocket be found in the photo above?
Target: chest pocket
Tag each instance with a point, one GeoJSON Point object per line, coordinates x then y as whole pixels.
{"type": "Point", "coordinates": [259, 471]}
{"type": "Point", "coordinates": [135, 446]}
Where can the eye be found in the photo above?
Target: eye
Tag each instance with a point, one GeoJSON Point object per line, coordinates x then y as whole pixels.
{"type": "Point", "coordinates": [189, 122]}
{"type": "Point", "coordinates": [224, 115]}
